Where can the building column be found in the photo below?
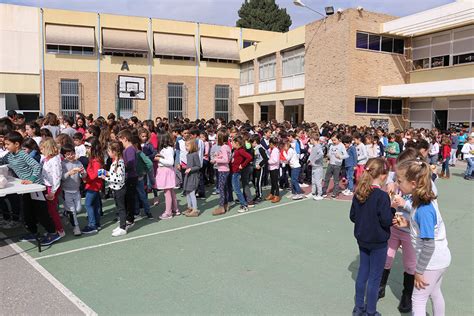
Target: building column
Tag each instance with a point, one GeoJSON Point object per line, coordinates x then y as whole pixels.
{"type": "Point", "coordinates": [256, 113]}
{"type": "Point", "coordinates": [300, 113]}
{"type": "Point", "coordinates": [279, 110]}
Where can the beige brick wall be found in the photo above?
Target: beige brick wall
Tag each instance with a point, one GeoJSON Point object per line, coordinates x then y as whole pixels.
{"type": "Point", "coordinates": [336, 72]}
{"type": "Point", "coordinates": [88, 81]}
{"type": "Point", "coordinates": [88, 96]}
{"type": "Point", "coordinates": [108, 92]}
{"type": "Point", "coordinates": [207, 94]}
{"type": "Point", "coordinates": [160, 94]}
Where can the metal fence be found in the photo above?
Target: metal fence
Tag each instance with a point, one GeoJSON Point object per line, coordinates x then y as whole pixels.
{"type": "Point", "coordinates": [70, 97]}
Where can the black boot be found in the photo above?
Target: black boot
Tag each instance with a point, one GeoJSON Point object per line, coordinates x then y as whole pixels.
{"type": "Point", "coordinates": [405, 300]}
{"type": "Point", "coordinates": [383, 282]}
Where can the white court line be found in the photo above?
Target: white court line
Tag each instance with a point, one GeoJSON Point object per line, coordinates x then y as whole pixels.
{"type": "Point", "coordinates": [166, 231]}
{"type": "Point", "coordinates": [50, 278]}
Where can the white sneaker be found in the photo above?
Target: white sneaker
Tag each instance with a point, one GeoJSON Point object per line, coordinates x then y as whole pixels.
{"type": "Point", "coordinates": [349, 193]}
{"type": "Point", "coordinates": [297, 197]}
{"type": "Point", "coordinates": [116, 228]}
{"type": "Point", "coordinates": [119, 232]}
{"type": "Point", "coordinates": [304, 185]}
{"type": "Point", "coordinates": [309, 195]}
{"type": "Point", "coordinates": [76, 231]}
{"type": "Point", "coordinates": [318, 198]}
{"type": "Point", "coordinates": [243, 209]}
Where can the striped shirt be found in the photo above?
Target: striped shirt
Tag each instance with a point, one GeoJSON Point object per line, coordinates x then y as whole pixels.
{"type": "Point", "coordinates": [23, 165]}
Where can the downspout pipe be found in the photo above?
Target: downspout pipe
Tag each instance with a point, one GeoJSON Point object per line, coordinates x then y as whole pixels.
{"type": "Point", "coordinates": [98, 63]}
{"type": "Point", "coordinates": [43, 104]}
{"type": "Point", "coordinates": [198, 58]}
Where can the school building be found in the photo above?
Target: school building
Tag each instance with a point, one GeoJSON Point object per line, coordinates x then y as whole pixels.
{"type": "Point", "coordinates": [355, 66]}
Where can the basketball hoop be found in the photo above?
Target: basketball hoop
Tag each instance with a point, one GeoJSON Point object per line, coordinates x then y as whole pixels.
{"type": "Point", "coordinates": [131, 87]}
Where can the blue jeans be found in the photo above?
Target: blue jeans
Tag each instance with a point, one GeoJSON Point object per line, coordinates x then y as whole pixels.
{"type": "Point", "coordinates": [445, 167]}
{"type": "Point", "coordinates": [142, 197]}
{"type": "Point", "coordinates": [92, 206]}
{"type": "Point", "coordinates": [470, 167]}
{"type": "Point", "coordinates": [237, 190]}
{"type": "Point", "coordinates": [350, 178]}
{"type": "Point", "coordinates": [295, 185]}
{"type": "Point", "coordinates": [372, 262]}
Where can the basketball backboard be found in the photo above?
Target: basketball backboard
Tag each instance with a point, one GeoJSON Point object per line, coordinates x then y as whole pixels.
{"type": "Point", "coordinates": [132, 87]}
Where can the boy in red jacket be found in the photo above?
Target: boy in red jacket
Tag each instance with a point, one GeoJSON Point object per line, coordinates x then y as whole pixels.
{"type": "Point", "coordinates": [240, 160]}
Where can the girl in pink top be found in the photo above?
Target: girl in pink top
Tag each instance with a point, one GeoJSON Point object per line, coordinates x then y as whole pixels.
{"type": "Point", "coordinates": [274, 167]}
{"type": "Point", "coordinates": [222, 160]}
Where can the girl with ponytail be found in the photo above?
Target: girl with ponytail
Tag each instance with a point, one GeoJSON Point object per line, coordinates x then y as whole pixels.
{"type": "Point", "coordinates": [428, 236]}
{"type": "Point", "coordinates": [372, 215]}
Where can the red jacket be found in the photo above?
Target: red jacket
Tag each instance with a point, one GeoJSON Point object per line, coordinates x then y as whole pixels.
{"type": "Point", "coordinates": [446, 152]}
{"type": "Point", "coordinates": [241, 158]}
{"type": "Point", "coordinates": [92, 180]}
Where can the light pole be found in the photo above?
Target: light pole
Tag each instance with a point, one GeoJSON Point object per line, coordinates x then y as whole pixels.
{"type": "Point", "coordinates": [299, 3]}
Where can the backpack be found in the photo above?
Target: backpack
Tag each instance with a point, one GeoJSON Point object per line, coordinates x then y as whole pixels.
{"type": "Point", "coordinates": [144, 164]}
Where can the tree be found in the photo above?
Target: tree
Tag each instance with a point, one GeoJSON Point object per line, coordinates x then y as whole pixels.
{"type": "Point", "coordinates": [263, 15]}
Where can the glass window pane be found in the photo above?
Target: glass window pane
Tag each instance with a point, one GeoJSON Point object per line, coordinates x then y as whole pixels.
{"type": "Point", "coordinates": [362, 40]}
{"type": "Point", "coordinates": [88, 50]}
{"type": "Point", "coordinates": [387, 44]}
{"type": "Point", "coordinates": [373, 106]}
{"type": "Point", "coordinates": [440, 61]}
{"type": "Point", "coordinates": [64, 49]}
{"type": "Point", "coordinates": [52, 49]}
{"type": "Point", "coordinates": [374, 42]}
{"type": "Point", "coordinates": [76, 50]}
{"type": "Point", "coordinates": [385, 106]}
{"type": "Point", "coordinates": [463, 59]}
{"type": "Point", "coordinates": [397, 106]}
{"type": "Point", "coordinates": [360, 105]}
{"type": "Point", "coordinates": [421, 64]}
{"type": "Point", "coordinates": [398, 46]}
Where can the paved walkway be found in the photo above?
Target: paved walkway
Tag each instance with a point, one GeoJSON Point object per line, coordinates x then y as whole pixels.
{"type": "Point", "coordinates": [20, 284]}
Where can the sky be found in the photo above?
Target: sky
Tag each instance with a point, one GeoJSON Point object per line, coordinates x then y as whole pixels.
{"type": "Point", "coordinates": [224, 12]}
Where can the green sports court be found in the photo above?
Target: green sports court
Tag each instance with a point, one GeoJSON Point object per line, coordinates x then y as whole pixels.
{"type": "Point", "coordinates": [294, 257]}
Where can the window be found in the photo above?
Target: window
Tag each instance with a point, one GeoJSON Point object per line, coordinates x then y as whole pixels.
{"type": "Point", "coordinates": [361, 105]}
{"type": "Point", "coordinates": [293, 62]}
{"type": "Point", "coordinates": [222, 100]}
{"type": "Point", "coordinates": [174, 57]}
{"type": "Point", "coordinates": [374, 42]}
{"type": "Point", "coordinates": [267, 68]}
{"type": "Point", "coordinates": [380, 43]}
{"type": "Point", "coordinates": [248, 43]}
{"type": "Point", "coordinates": [246, 73]}
{"type": "Point", "coordinates": [27, 104]}
{"type": "Point", "coordinates": [463, 59]}
{"type": "Point", "coordinates": [70, 101]}
{"type": "Point", "coordinates": [123, 54]}
{"type": "Point", "coordinates": [440, 61]}
{"type": "Point", "coordinates": [387, 44]}
{"type": "Point", "coordinates": [385, 106]}
{"type": "Point", "coordinates": [378, 106]}
{"type": "Point", "coordinates": [435, 50]}
{"type": "Point", "coordinates": [398, 46]}
{"type": "Point", "coordinates": [362, 40]}
{"type": "Point", "coordinates": [372, 106]}
{"type": "Point", "coordinates": [69, 50]}
{"type": "Point", "coordinates": [175, 101]}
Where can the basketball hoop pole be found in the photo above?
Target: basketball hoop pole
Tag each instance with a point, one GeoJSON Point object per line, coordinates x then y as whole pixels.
{"type": "Point", "coordinates": [117, 96]}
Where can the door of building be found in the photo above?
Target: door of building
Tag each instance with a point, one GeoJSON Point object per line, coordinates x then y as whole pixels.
{"type": "Point", "coordinates": [441, 120]}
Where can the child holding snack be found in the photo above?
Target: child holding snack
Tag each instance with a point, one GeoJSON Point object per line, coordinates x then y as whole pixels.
{"type": "Point", "coordinates": [428, 236]}
{"type": "Point", "coordinates": [372, 217]}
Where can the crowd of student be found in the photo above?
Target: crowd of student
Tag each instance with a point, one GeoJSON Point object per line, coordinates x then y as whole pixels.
{"type": "Point", "coordinates": [89, 158]}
